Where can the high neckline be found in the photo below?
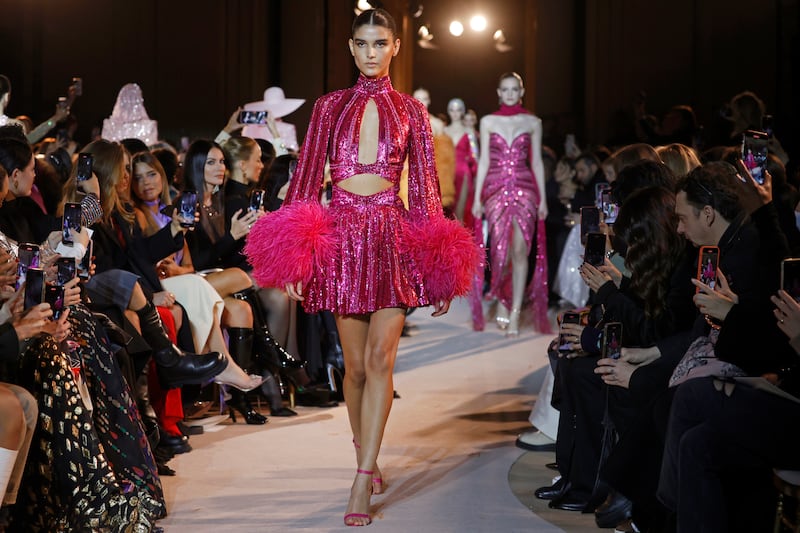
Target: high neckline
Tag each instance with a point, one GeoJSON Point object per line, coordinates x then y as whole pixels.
{"type": "Point", "coordinates": [509, 110]}
{"type": "Point", "coordinates": [370, 86]}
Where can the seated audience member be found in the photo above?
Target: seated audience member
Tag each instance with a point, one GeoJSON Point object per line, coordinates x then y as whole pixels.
{"type": "Point", "coordinates": [680, 159]}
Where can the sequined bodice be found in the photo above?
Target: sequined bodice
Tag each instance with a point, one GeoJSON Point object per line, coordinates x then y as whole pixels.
{"type": "Point", "coordinates": [393, 132]}
{"type": "Point", "coordinates": [509, 157]}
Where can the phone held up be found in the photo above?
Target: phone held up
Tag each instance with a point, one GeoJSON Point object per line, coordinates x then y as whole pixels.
{"type": "Point", "coordinates": [754, 153]}
{"type": "Point", "coordinates": [569, 317]}
{"type": "Point", "coordinates": [70, 222]}
{"type": "Point", "coordinates": [707, 264]}
{"type": "Point", "coordinates": [187, 207]}
{"type": "Point", "coordinates": [595, 250]}
{"type": "Point", "coordinates": [28, 255]}
{"type": "Point", "coordinates": [612, 340]}
{"type": "Point", "coordinates": [790, 277]}
{"type": "Point", "coordinates": [590, 222]}
{"type": "Point", "coordinates": [34, 287]}
{"type": "Point", "coordinates": [84, 170]}
{"type": "Point", "coordinates": [252, 117]}
{"type": "Point", "coordinates": [256, 199]}
{"type": "Point", "coordinates": [85, 264]}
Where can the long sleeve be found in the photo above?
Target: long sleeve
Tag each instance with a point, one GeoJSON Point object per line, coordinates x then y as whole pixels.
{"type": "Point", "coordinates": [424, 198]}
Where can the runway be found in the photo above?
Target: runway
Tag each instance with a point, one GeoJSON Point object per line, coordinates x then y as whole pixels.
{"type": "Point", "coordinates": [446, 457]}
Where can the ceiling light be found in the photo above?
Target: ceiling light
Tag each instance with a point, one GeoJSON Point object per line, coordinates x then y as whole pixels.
{"type": "Point", "coordinates": [478, 23]}
{"type": "Point", "coordinates": [456, 28]}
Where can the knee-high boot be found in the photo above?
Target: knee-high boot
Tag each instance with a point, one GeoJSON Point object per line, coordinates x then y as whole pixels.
{"type": "Point", "coordinates": [240, 346]}
{"type": "Point", "coordinates": [176, 367]}
{"type": "Point", "coordinates": [267, 347]}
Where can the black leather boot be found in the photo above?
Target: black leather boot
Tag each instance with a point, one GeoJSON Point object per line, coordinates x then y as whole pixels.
{"type": "Point", "coordinates": [240, 346]}
{"type": "Point", "coordinates": [266, 345]}
{"type": "Point", "coordinates": [176, 367]}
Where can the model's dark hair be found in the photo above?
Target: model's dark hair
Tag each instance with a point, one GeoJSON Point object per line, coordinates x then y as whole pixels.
{"type": "Point", "coordinates": [375, 17]}
{"type": "Point", "coordinates": [514, 75]}
{"type": "Point", "coordinates": [648, 224]}
{"type": "Point", "coordinates": [14, 154]}
{"type": "Point", "coordinates": [194, 164]}
{"type": "Point", "coordinates": [713, 184]}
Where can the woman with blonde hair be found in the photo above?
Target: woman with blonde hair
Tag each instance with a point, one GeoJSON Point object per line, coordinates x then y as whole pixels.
{"type": "Point", "coordinates": [680, 159]}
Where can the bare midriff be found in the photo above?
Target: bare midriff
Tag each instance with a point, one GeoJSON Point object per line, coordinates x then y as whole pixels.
{"type": "Point", "coordinates": [367, 184]}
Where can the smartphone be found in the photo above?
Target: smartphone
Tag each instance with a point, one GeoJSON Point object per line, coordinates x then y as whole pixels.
{"type": "Point", "coordinates": [34, 287]}
{"type": "Point", "coordinates": [790, 277]}
{"type": "Point", "coordinates": [609, 207]}
{"type": "Point", "coordinates": [85, 264]}
{"type": "Point", "coordinates": [612, 340]}
{"type": "Point", "coordinates": [707, 264]}
{"type": "Point", "coordinates": [590, 222]}
{"type": "Point", "coordinates": [187, 208]}
{"type": "Point", "coordinates": [28, 255]}
{"type": "Point", "coordinates": [252, 117]}
{"type": "Point", "coordinates": [66, 269]}
{"type": "Point", "coordinates": [257, 199]}
{"type": "Point", "coordinates": [85, 162]}
{"type": "Point", "coordinates": [70, 222]}
{"type": "Point", "coordinates": [595, 251]}
{"type": "Point", "coordinates": [569, 317]}
{"type": "Point", "coordinates": [54, 296]}
{"type": "Point", "coordinates": [599, 189]}
{"type": "Point", "coordinates": [754, 153]}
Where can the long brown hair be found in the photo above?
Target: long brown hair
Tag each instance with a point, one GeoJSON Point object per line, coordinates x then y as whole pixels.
{"type": "Point", "coordinates": [147, 158]}
{"type": "Point", "coordinates": [648, 224]}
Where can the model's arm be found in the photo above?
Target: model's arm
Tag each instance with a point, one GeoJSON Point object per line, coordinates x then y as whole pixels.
{"type": "Point", "coordinates": [483, 167]}
{"type": "Point", "coordinates": [537, 166]}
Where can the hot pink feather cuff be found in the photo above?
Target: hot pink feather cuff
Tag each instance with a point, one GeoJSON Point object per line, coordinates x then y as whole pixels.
{"type": "Point", "coordinates": [445, 255]}
{"type": "Point", "coordinates": [291, 244]}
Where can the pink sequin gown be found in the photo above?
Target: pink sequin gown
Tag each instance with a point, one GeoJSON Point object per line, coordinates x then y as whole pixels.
{"type": "Point", "coordinates": [466, 168]}
{"type": "Point", "coordinates": [510, 194]}
{"type": "Point", "coordinates": [369, 271]}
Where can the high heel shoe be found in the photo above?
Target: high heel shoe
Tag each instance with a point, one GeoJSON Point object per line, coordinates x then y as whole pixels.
{"type": "Point", "coordinates": [513, 324]}
{"type": "Point", "coordinates": [255, 382]}
{"type": "Point", "coordinates": [359, 472]}
{"type": "Point", "coordinates": [240, 403]}
{"type": "Point", "coordinates": [377, 481]}
{"type": "Point", "coordinates": [502, 318]}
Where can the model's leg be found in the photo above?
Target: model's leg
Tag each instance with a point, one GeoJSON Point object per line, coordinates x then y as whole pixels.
{"type": "Point", "coordinates": [353, 332]}
{"type": "Point", "coordinates": [519, 274]}
{"type": "Point", "coordinates": [383, 337]}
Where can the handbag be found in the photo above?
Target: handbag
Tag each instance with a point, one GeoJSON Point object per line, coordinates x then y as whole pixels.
{"type": "Point", "coordinates": [700, 361]}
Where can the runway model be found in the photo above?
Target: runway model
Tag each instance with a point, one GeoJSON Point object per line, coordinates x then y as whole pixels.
{"type": "Point", "coordinates": [366, 257]}
{"type": "Point", "coordinates": [510, 191]}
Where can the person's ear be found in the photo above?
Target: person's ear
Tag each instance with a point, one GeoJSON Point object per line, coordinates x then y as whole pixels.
{"type": "Point", "coordinates": [708, 211]}
{"type": "Point", "coordinates": [396, 47]}
{"type": "Point", "coordinates": [521, 92]}
{"type": "Point", "coordinates": [352, 46]}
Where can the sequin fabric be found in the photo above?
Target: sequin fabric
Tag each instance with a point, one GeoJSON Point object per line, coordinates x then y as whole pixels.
{"type": "Point", "coordinates": [510, 195]}
{"type": "Point", "coordinates": [69, 484]}
{"type": "Point", "coordinates": [466, 168]}
{"type": "Point", "coordinates": [368, 273]}
{"type": "Point", "coordinates": [129, 118]}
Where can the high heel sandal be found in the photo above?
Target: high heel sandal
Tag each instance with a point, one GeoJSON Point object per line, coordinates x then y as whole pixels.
{"type": "Point", "coordinates": [502, 320]}
{"type": "Point", "coordinates": [360, 472]}
{"type": "Point", "coordinates": [377, 482]}
{"type": "Point", "coordinates": [243, 389]}
{"type": "Point", "coordinates": [513, 324]}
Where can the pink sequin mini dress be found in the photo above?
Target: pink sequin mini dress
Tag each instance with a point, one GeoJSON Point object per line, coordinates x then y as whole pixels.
{"type": "Point", "coordinates": [365, 253]}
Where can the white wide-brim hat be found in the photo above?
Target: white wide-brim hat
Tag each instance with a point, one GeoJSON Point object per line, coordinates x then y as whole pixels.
{"type": "Point", "coordinates": [276, 103]}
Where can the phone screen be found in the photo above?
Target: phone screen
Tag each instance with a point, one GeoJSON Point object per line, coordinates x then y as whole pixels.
{"type": "Point", "coordinates": [612, 340]}
{"type": "Point", "coordinates": [707, 265]}
{"type": "Point", "coordinates": [610, 209]}
{"type": "Point", "coordinates": [253, 117]}
{"type": "Point", "coordinates": [85, 264]}
{"type": "Point", "coordinates": [754, 153]}
{"type": "Point", "coordinates": [790, 277]}
{"type": "Point", "coordinates": [66, 270]}
{"type": "Point", "coordinates": [590, 222]}
{"type": "Point", "coordinates": [84, 171]}
{"type": "Point", "coordinates": [54, 295]}
{"type": "Point", "coordinates": [599, 189]}
{"type": "Point", "coordinates": [256, 199]}
{"type": "Point", "coordinates": [70, 222]}
{"type": "Point", "coordinates": [187, 208]}
{"type": "Point", "coordinates": [569, 317]}
{"type": "Point", "coordinates": [28, 255]}
{"type": "Point", "coordinates": [595, 251]}
{"type": "Point", "coordinates": [34, 287]}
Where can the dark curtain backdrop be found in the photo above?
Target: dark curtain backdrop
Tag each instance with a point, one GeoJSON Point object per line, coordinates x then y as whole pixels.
{"type": "Point", "coordinates": [584, 61]}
